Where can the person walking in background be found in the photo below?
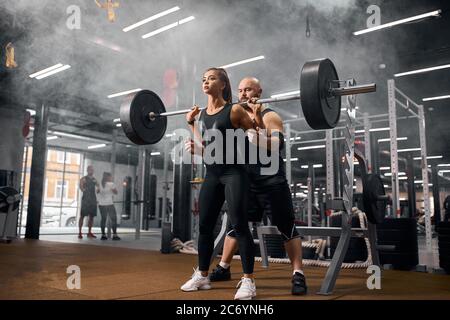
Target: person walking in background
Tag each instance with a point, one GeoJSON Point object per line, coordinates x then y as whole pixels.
{"type": "Point", "coordinates": [88, 185]}
{"type": "Point", "coordinates": [105, 194]}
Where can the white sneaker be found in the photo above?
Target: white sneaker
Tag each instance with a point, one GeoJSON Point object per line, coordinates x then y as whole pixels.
{"type": "Point", "coordinates": [247, 289]}
{"type": "Point", "coordinates": [197, 282]}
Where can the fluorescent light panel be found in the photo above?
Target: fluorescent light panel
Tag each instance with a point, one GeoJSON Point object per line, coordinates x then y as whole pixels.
{"type": "Point", "coordinates": [155, 153]}
{"type": "Point", "coordinates": [397, 22]}
{"type": "Point", "coordinates": [116, 120]}
{"type": "Point", "coordinates": [56, 66]}
{"type": "Point", "coordinates": [389, 140]}
{"type": "Point", "coordinates": [149, 19]}
{"type": "Point", "coordinates": [123, 93]}
{"type": "Point", "coordinates": [444, 165]}
{"type": "Point", "coordinates": [242, 62]}
{"type": "Point", "coordinates": [436, 98]}
{"type": "Point", "coordinates": [52, 138]}
{"type": "Point", "coordinates": [389, 174]}
{"type": "Point", "coordinates": [170, 26]}
{"type": "Point", "coordinates": [312, 147]}
{"type": "Point", "coordinates": [373, 130]}
{"type": "Point", "coordinates": [407, 73]}
{"type": "Point", "coordinates": [409, 150]}
{"type": "Point", "coordinates": [97, 146]}
{"type": "Point", "coordinates": [314, 166]}
{"type": "Point", "coordinates": [429, 157]}
{"type": "Point", "coordinates": [48, 74]}
{"type": "Point", "coordinates": [385, 168]}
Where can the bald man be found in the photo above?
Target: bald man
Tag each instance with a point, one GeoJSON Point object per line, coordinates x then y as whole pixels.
{"type": "Point", "coordinates": [269, 194]}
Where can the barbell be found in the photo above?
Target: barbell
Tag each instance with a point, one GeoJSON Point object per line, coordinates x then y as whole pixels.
{"type": "Point", "coordinates": [144, 117]}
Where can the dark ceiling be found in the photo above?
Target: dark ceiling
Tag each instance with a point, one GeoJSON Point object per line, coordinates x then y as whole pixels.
{"type": "Point", "coordinates": [105, 60]}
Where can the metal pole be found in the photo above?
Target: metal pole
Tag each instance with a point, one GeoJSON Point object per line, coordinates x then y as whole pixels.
{"type": "Point", "coordinates": [113, 172]}
{"type": "Point", "coordinates": [411, 186]}
{"type": "Point", "coordinates": [37, 174]}
{"type": "Point", "coordinates": [62, 188]}
{"type": "Point", "coordinates": [367, 142]}
{"type": "Point", "coordinates": [114, 153]}
{"type": "Point", "coordinates": [310, 195]}
{"type": "Point", "coordinates": [329, 168]}
{"type": "Point", "coordinates": [22, 191]}
{"type": "Point", "coordinates": [166, 218]}
{"type": "Point", "coordinates": [426, 197]}
{"type": "Point", "coordinates": [141, 184]}
{"type": "Point", "coordinates": [288, 154]}
{"type": "Point", "coordinates": [394, 156]}
{"type": "Point", "coordinates": [375, 152]}
{"type": "Point", "coordinates": [436, 196]}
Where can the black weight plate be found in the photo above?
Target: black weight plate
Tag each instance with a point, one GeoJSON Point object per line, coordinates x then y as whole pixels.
{"type": "Point", "coordinates": [444, 259]}
{"type": "Point", "coordinates": [395, 235]}
{"type": "Point", "coordinates": [373, 188]}
{"type": "Point", "coordinates": [444, 245]}
{"type": "Point", "coordinates": [135, 120]}
{"type": "Point", "coordinates": [444, 224]}
{"type": "Point", "coordinates": [402, 245]}
{"type": "Point", "coordinates": [404, 224]}
{"type": "Point", "coordinates": [443, 230]}
{"type": "Point", "coordinates": [6, 192]}
{"type": "Point", "coordinates": [321, 110]}
{"type": "Point", "coordinates": [401, 261]}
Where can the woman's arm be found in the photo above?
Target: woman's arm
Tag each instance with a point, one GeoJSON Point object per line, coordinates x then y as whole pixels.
{"type": "Point", "coordinates": [192, 124]}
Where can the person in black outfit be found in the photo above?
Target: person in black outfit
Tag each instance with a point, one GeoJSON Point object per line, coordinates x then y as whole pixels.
{"type": "Point", "coordinates": [223, 181]}
{"type": "Point", "coordinates": [89, 186]}
{"type": "Point", "coordinates": [269, 194]}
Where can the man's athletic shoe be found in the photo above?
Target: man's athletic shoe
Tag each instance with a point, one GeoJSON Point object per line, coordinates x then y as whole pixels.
{"type": "Point", "coordinates": [299, 284]}
{"type": "Point", "coordinates": [247, 289]}
{"type": "Point", "coordinates": [220, 274]}
{"type": "Point", "coordinates": [91, 235]}
{"type": "Point", "coordinates": [104, 237]}
{"type": "Point", "coordinates": [116, 237]}
{"type": "Point", "coordinates": [197, 282]}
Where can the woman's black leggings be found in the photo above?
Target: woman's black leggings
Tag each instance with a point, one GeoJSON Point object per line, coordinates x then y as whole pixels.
{"type": "Point", "coordinates": [110, 211]}
{"type": "Point", "coordinates": [228, 183]}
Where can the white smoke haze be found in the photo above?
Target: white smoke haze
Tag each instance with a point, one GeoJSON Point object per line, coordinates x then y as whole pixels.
{"type": "Point", "coordinates": [106, 60]}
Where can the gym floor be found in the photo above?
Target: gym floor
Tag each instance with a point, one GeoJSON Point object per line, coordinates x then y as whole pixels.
{"type": "Point", "coordinates": [36, 270]}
